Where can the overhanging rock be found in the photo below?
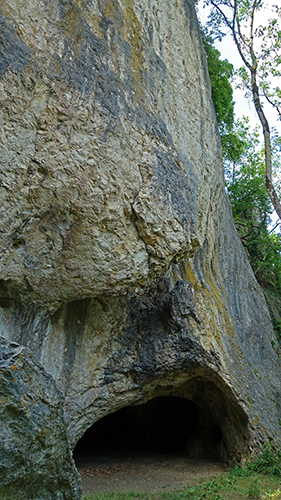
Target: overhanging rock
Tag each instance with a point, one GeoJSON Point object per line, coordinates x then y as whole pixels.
{"type": "Point", "coordinates": [120, 266]}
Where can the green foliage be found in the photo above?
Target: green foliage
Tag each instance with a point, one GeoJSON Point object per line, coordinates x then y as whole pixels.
{"type": "Point", "coordinates": [267, 40]}
{"type": "Point", "coordinates": [273, 299]}
{"type": "Point", "coordinates": [208, 490]}
{"type": "Point", "coordinates": [245, 181]}
{"type": "Point", "coordinates": [252, 208]}
{"type": "Point", "coordinates": [229, 487]}
{"type": "Point", "coordinates": [244, 166]}
{"type": "Point", "coordinates": [112, 495]}
{"type": "Point", "coordinates": [269, 57]}
{"type": "Point", "coordinates": [254, 490]}
{"type": "Point", "coordinates": [260, 51]}
{"type": "Point", "coordinates": [268, 462]}
{"type": "Point", "coordinates": [221, 74]}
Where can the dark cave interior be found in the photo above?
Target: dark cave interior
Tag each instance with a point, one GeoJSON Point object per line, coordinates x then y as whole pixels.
{"type": "Point", "coordinates": [162, 425]}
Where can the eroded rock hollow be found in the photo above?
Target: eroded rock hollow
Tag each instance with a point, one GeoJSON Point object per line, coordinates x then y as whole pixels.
{"type": "Point", "coordinates": [121, 270]}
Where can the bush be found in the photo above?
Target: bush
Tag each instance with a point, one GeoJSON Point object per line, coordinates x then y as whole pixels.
{"type": "Point", "coordinates": [268, 462]}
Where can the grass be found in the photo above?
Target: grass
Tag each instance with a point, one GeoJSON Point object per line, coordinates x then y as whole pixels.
{"type": "Point", "coordinates": [254, 487]}
{"type": "Point", "coordinates": [268, 462]}
{"type": "Point", "coordinates": [259, 478]}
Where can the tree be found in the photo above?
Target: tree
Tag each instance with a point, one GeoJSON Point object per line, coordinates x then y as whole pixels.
{"type": "Point", "coordinates": [251, 209]}
{"type": "Point", "coordinates": [244, 169]}
{"type": "Point", "coordinates": [261, 65]}
{"type": "Point", "coordinates": [250, 202]}
{"type": "Point", "coordinates": [221, 75]}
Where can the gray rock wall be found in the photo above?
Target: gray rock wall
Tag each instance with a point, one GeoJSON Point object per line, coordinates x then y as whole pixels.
{"type": "Point", "coordinates": [103, 140]}
{"type": "Point", "coordinates": [35, 458]}
{"type": "Point", "coordinates": [120, 266]}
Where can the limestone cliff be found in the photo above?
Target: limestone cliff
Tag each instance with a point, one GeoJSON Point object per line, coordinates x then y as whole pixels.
{"type": "Point", "coordinates": [120, 266]}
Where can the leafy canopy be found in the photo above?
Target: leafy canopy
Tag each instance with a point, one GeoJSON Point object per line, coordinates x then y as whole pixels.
{"type": "Point", "coordinates": [221, 75]}
{"type": "Point", "coordinates": [244, 168]}
{"type": "Point", "coordinates": [260, 51]}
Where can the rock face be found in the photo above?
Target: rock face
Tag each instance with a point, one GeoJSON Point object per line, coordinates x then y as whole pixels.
{"type": "Point", "coordinates": [35, 459]}
{"type": "Point", "coordinates": [120, 266]}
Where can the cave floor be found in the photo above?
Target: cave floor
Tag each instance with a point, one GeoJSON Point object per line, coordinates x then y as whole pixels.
{"type": "Point", "coordinates": [125, 471]}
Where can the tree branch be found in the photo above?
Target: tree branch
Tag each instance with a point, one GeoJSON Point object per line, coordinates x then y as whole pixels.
{"type": "Point", "coordinates": [278, 224]}
{"type": "Point", "coordinates": [238, 37]}
{"type": "Point", "coordinates": [273, 104]}
{"type": "Point", "coordinates": [266, 254]}
{"type": "Point", "coordinates": [236, 18]}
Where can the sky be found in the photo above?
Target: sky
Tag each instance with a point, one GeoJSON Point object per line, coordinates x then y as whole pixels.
{"type": "Point", "coordinates": [244, 106]}
{"type": "Point", "coordinates": [228, 51]}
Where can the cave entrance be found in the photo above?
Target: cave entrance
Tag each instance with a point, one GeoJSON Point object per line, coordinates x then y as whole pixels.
{"type": "Point", "coordinates": [164, 425]}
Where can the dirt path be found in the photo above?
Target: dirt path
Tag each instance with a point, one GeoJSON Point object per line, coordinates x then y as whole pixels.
{"type": "Point", "coordinates": [120, 471]}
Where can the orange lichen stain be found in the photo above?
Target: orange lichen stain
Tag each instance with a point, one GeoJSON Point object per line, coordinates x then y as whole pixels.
{"type": "Point", "coordinates": [256, 420]}
{"type": "Point", "coordinates": [190, 276]}
{"type": "Point", "coordinates": [130, 28]}
{"type": "Point", "coordinates": [111, 11]}
{"type": "Point", "coordinates": [213, 279]}
{"type": "Point", "coordinates": [212, 330]}
{"type": "Point", "coordinates": [3, 402]}
{"type": "Point", "coordinates": [175, 275]}
{"type": "Point", "coordinates": [134, 37]}
{"type": "Point", "coordinates": [6, 10]}
{"type": "Point", "coordinates": [94, 22]}
{"type": "Point", "coordinates": [41, 434]}
{"type": "Point", "coordinates": [14, 367]}
{"type": "Point", "coordinates": [214, 293]}
{"type": "Point", "coordinates": [14, 380]}
{"type": "Point", "coordinates": [72, 26]}
{"type": "Point", "coordinates": [79, 3]}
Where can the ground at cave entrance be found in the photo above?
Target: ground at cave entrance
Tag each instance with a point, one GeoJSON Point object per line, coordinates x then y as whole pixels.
{"type": "Point", "coordinates": [125, 471]}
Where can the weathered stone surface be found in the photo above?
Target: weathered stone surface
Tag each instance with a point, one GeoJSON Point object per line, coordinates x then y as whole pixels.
{"type": "Point", "coordinates": [35, 459]}
{"type": "Point", "coordinates": [121, 268]}
{"type": "Point", "coordinates": [99, 170]}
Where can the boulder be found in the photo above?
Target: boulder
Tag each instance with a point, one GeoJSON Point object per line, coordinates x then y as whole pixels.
{"type": "Point", "coordinates": [35, 458]}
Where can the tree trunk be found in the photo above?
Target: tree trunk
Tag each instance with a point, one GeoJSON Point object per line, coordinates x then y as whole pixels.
{"type": "Point", "coordinates": [267, 146]}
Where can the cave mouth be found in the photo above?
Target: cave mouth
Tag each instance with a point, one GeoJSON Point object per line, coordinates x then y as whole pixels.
{"type": "Point", "coordinates": [164, 425]}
